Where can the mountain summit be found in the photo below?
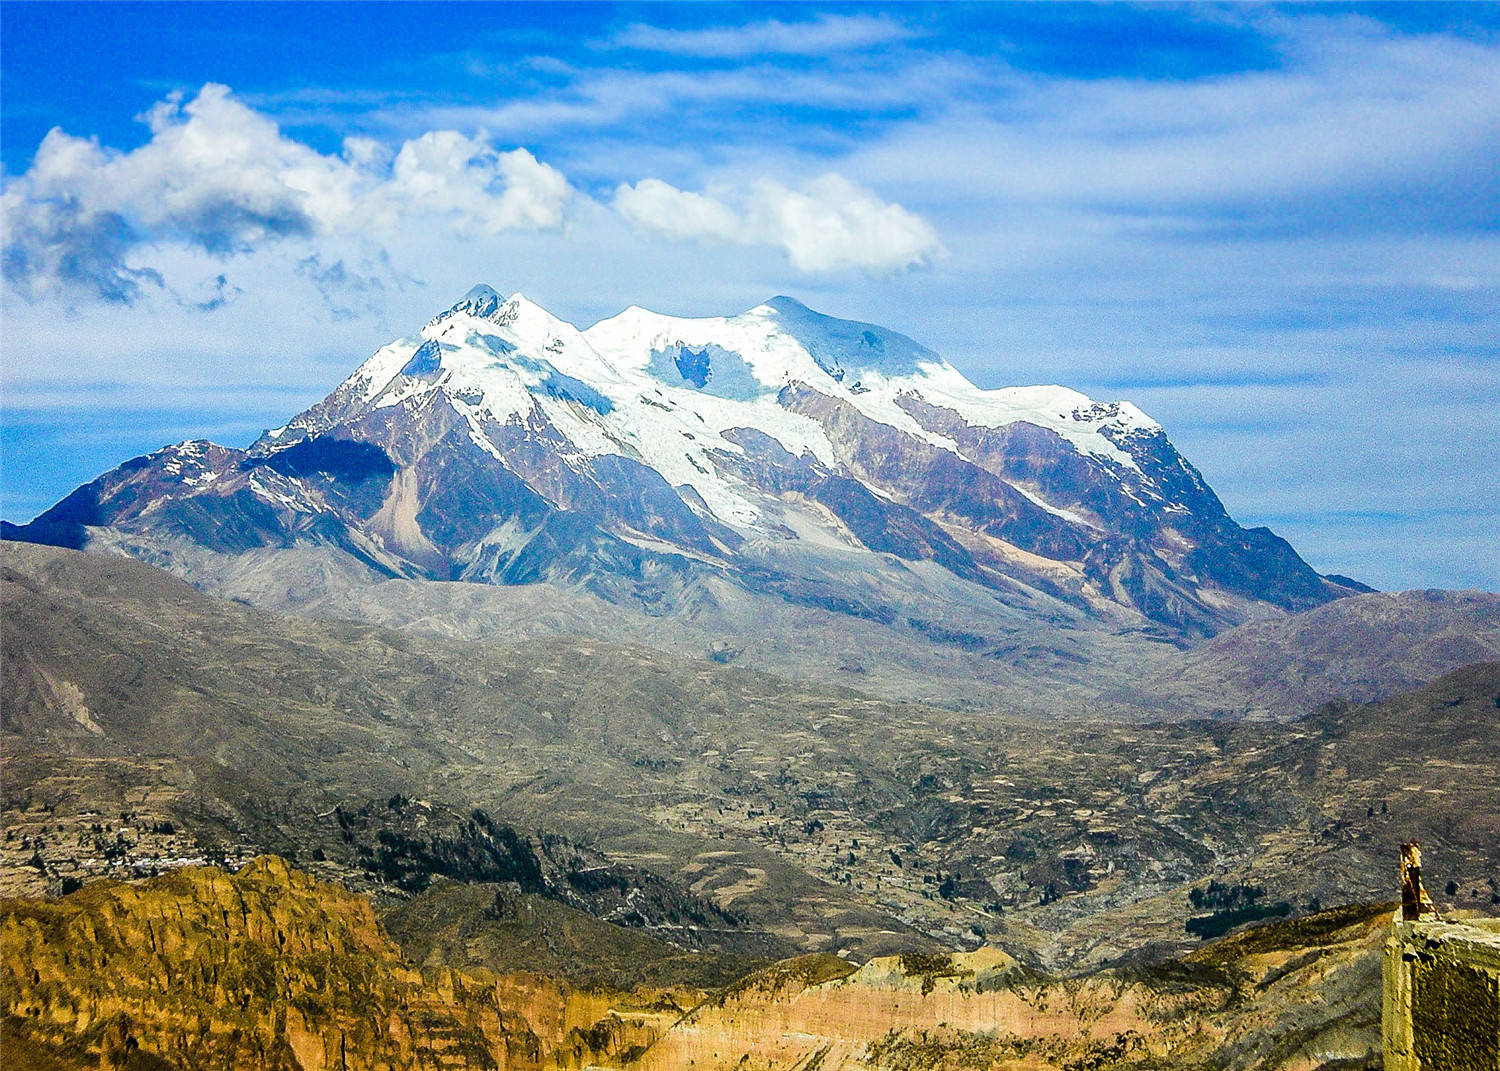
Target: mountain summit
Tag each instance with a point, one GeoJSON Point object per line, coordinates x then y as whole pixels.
{"type": "Point", "coordinates": [656, 461]}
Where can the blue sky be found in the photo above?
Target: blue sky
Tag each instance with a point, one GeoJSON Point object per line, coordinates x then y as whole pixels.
{"type": "Point", "coordinates": [1274, 228]}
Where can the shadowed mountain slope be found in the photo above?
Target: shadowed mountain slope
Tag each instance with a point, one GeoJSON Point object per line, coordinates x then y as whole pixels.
{"type": "Point", "coordinates": [1362, 648]}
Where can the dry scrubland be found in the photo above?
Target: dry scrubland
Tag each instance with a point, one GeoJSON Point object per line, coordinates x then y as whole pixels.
{"type": "Point", "coordinates": [620, 818]}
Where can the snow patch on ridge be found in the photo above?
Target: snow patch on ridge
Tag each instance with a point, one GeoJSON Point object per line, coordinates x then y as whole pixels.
{"type": "Point", "coordinates": [1056, 511]}
{"type": "Point", "coordinates": [1071, 414]}
{"type": "Point", "coordinates": [663, 390]}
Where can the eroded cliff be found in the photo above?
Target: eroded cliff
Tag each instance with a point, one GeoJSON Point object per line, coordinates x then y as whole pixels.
{"type": "Point", "coordinates": [270, 969]}
{"type": "Point", "coordinates": [1296, 996]}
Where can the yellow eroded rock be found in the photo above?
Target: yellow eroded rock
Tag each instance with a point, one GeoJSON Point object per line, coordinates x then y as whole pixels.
{"type": "Point", "coordinates": [271, 970]}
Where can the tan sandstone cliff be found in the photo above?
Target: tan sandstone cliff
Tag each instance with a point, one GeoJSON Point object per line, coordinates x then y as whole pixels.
{"type": "Point", "coordinates": [1294, 996]}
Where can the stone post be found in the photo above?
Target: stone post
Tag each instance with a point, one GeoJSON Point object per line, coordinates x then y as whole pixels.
{"type": "Point", "coordinates": [1440, 1008]}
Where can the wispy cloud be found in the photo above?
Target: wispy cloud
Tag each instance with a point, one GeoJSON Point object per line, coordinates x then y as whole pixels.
{"type": "Point", "coordinates": [351, 289]}
{"type": "Point", "coordinates": [729, 105]}
{"type": "Point", "coordinates": [1394, 111]}
{"type": "Point", "coordinates": [1354, 113]}
{"type": "Point", "coordinates": [806, 37]}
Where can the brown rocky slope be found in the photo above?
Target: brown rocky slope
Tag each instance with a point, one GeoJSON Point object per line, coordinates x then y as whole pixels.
{"type": "Point", "coordinates": [271, 969]}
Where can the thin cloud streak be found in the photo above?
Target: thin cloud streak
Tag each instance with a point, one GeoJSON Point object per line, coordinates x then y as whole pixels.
{"type": "Point", "coordinates": [1401, 112]}
{"type": "Point", "coordinates": [730, 105]}
{"type": "Point", "coordinates": [818, 36]}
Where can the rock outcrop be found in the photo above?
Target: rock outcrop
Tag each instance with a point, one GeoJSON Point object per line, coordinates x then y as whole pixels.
{"type": "Point", "coordinates": [1298, 995]}
{"type": "Point", "coordinates": [271, 969]}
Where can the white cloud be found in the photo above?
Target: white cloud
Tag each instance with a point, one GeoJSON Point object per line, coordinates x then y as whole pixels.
{"type": "Point", "coordinates": [366, 153]}
{"type": "Point", "coordinates": [1350, 111]}
{"type": "Point", "coordinates": [1351, 106]}
{"type": "Point", "coordinates": [654, 205]}
{"type": "Point", "coordinates": [445, 173]}
{"type": "Point", "coordinates": [827, 224]}
{"type": "Point", "coordinates": [220, 176]}
{"type": "Point", "coordinates": [813, 37]}
{"type": "Point", "coordinates": [831, 223]}
{"type": "Point", "coordinates": [712, 104]}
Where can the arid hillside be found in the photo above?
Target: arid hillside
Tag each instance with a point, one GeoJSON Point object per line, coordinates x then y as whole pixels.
{"type": "Point", "coordinates": [270, 969]}
{"type": "Point", "coordinates": [709, 807]}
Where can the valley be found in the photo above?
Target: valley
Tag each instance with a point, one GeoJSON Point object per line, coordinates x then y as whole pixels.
{"type": "Point", "coordinates": [818, 820]}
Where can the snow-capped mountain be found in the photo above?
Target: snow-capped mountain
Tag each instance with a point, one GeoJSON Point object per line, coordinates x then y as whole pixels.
{"type": "Point", "coordinates": [650, 458]}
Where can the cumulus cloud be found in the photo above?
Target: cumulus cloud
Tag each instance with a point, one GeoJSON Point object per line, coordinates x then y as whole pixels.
{"type": "Point", "coordinates": [833, 223]}
{"type": "Point", "coordinates": [654, 205]}
{"type": "Point", "coordinates": [220, 179]}
{"type": "Point", "coordinates": [219, 176]}
{"type": "Point", "coordinates": [58, 245]}
{"type": "Point", "coordinates": [827, 224]}
{"type": "Point", "coordinates": [445, 172]}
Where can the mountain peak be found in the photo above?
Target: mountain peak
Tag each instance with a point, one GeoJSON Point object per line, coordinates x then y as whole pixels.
{"type": "Point", "coordinates": [850, 346]}
{"type": "Point", "coordinates": [682, 440]}
{"type": "Point", "coordinates": [481, 300]}
{"type": "Point", "coordinates": [520, 301]}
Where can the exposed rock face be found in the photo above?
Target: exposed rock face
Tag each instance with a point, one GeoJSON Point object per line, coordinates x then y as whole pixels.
{"type": "Point", "coordinates": [271, 969]}
{"type": "Point", "coordinates": [649, 456]}
{"type": "Point", "coordinates": [1299, 995]}
{"type": "Point", "coordinates": [1442, 994]}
